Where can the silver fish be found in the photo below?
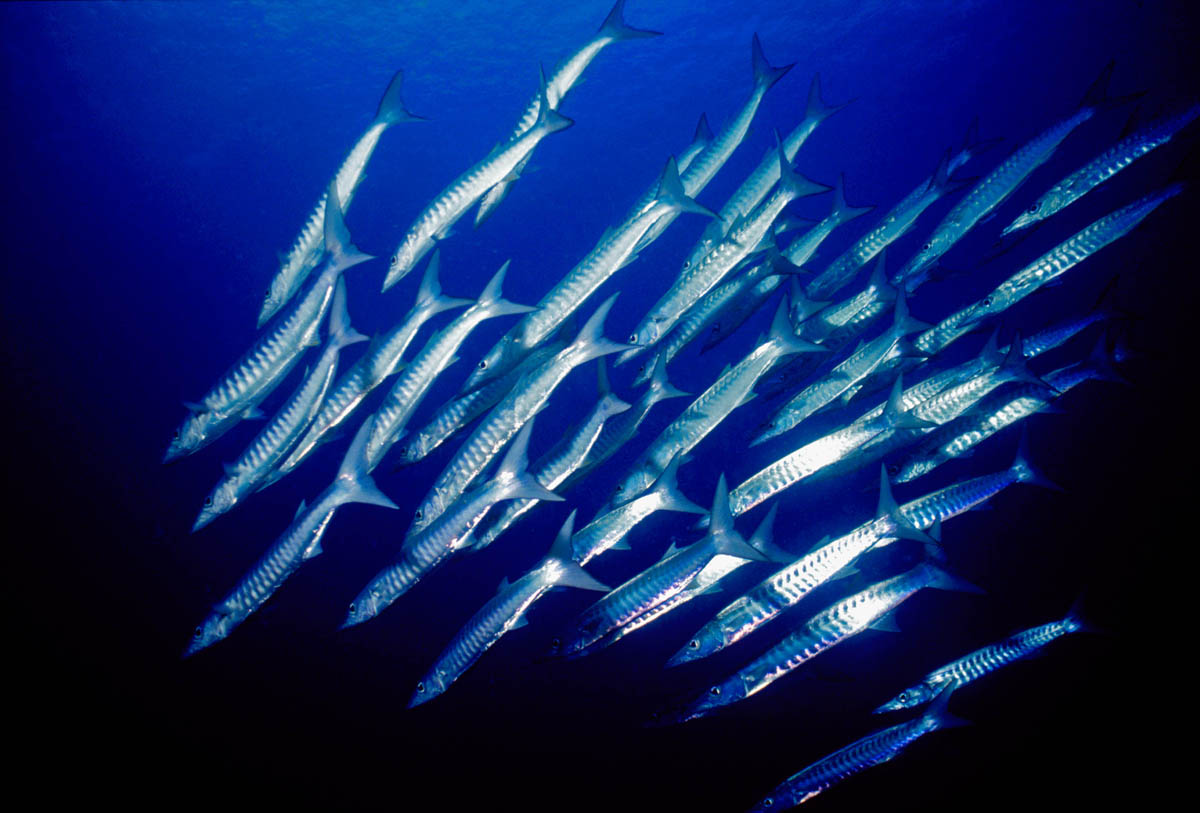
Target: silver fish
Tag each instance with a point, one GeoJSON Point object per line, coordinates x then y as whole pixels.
{"type": "Point", "coordinates": [1101, 168]}
{"type": "Point", "coordinates": [614, 250]}
{"type": "Point", "coordinates": [732, 389]}
{"type": "Point", "coordinates": [268, 361]}
{"type": "Point", "coordinates": [439, 352]}
{"type": "Point", "coordinates": [299, 542]}
{"type": "Point", "coordinates": [381, 360]}
{"type": "Point", "coordinates": [1001, 182]}
{"type": "Point", "coordinates": [255, 464]}
{"type": "Point", "coordinates": [435, 221]}
{"type": "Point", "coordinates": [451, 532]}
{"type": "Point", "coordinates": [505, 612]}
{"type": "Point", "coordinates": [842, 620]}
{"type": "Point", "coordinates": [874, 749]}
{"type": "Point", "coordinates": [306, 252]}
{"type": "Point", "coordinates": [613, 29]}
{"type": "Point", "coordinates": [674, 572]}
{"type": "Point", "coordinates": [984, 661]}
{"type": "Point", "coordinates": [528, 395]}
{"type": "Point", "coordinates": [564, 458]}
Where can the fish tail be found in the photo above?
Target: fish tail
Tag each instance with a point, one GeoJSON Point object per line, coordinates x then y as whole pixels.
{"type": "Point", "coordinates": [614, 26]}
{"type": "Point", "coordinates": [591, 343]}
{"type": "Point", "coordinates": [667, 487]}
{"type": "Point", "coordinates": [793, 181]}
{"type": "Point", "coordinates": [672, 194]}
{"type": "Point", "coordinates": [765, 74]}
{"type": "Point", "coordinates": [491, 300]}
{"type": "Point", "coordinates": [660, 388]}
{"type": "Point", "coordinates": [841, 212]}
{"type": "Point", "coordinates": [391, 107]}
{"type": "Point", "coordinates": [342, 252]}
{"type": "Point", "coordinates": [356, 484]}
{"type": "Point", "coordinates": [341, 333]}
{"type": "Point", "coordinates": [1023, 470]}
{"type": "Point", "coordinates": [430, 295]}
{"type": "Point", "coordinates": [817, 110]}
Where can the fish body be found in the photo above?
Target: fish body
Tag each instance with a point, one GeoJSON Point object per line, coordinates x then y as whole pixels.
{"type": "Point", "coordinates": [614, 250]}
{"type": "Point", "coordinates": [424, 550]}
{"type": "Point", "coordinates": [873, 749]}
{"type": "Point", "coordinates": [504, 612]}
{"type": "Point", "coordinates": [984, 661]}
{"type": "Point", "coordinates": [299, 542]}
{"type": "Point", "coordinates": [842, 620]}
{"type": "Point", "coordinates": [257, 462]}
{"type": "Point", "coordinates": [306, 251]}
{"type": "Point", "coordinates": [381, 360]}
{"type": "Point", "coordinates": [732, 389]}
{"type": "Point", "coordinates": [412, 385]}
{"type": "Point", "coordinates": [564, 458]}
{"type": "Point", "coordinates": [271, 358]}
{"type": "Point", "coordinates": [436, 220]}
{"type": "Point", "coordinates": [1101, 168]}
{"type": "Point", "coordinates": [505, 419]}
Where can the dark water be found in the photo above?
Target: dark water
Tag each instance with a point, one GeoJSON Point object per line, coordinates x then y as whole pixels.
{"type": "Point", "coordinates": [159, 155]}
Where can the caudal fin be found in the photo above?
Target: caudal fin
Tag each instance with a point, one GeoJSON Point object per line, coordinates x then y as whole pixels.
{"type": "Point", "coordinates": [391, 107]}
{"type": "Point", "coordinates": [354, 483]}
{"type": "Point", "coordinates": [492, 302]}
{"type": "Point", "coordinates": [765, 74]}
{"type": "Point", "coordinates": [342, 252]}
{"type": "Point", "coordinates": [817, 110]}
{"type": "Point", "coordinates": [671, 192]}
{"type": "Point", "coordinates": [429, 296]}
{"type": "Point", "coordinates": [614, 26]}
{"type": "Point", "coordinates": [341, 333]}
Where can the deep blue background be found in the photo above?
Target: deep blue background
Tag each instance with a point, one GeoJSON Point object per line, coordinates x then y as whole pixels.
{"type": "Point", "coordinates": [157, 156]}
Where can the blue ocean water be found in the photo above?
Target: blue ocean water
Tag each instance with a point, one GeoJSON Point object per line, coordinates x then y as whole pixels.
{"type": "Point", "coordinates": [158, 157]}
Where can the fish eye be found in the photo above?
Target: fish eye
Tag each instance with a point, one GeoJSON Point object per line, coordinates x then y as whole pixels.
{"type": "Point", "coordinates": [633, 338]}
{"type": "Point", "coordinates": [418, 514]}
{"type": "Point", "coordinates": [482, 365]}
{"type": "Point", "coordinates": [1033, 209]}
{"type": "Point", "coordinates": [198, 631]}
{"type": "Point", "coordinates": [927, 247]}
{"type": "Point", "coordinates": [421, 687]}
{"type": "Point", "coordinates": [208, 502]}
{"type": "Point", "coordinates": [353, 609]}
{"type": "Point", "coordinates": [768, 802]}
{"type": "Point", "coordinates": [903, 697]}
{"type": "Point", "coordinates": [176, 434]}
{"type": "Point", "coordinates": [893, 468]}
{"type": "Point", "coordinates": [556, 643]}
{"type": "Point", "coordinates": [694, 643]}
{"type": "Point", "coordinates": [394, 259]}
{"type": "Point", "coordinates": [987, 303]}
{"type": "Point", "coordinates": [715, 691]}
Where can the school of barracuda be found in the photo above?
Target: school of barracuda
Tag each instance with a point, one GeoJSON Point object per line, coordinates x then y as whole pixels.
{"type": "Point", "coordinates": [831, 346]}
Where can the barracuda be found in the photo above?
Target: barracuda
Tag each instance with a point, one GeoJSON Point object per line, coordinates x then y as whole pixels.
{"type": "Point", "coordinates": [798, 578]}
{"type": "Point", "coordinates": [608, 531]}
{"type": "Point", "coordinates": [874, 749]}
{"type": "Point", "coordinates": [454, 416]}
{"type": "Point", "coordinates": [380, 361]}
{"type": "Point", "coordinates": [435, 221]}
{"type": "Point", "coordinates": [998, 410]}
{"type": "Point", "coordinates": [613, 29]}
{"type": "Point", "coordinates": [829, 628]}
{"type": "Point", "coordinates": [528, 395]}
{"type": "Point", "coordinates": [564, 458]}
{"type": "Point", "coordinates": [302, 540]}
{"type": "Point", "coordinates": [732, 389]}
{"type": "Point", "coordinates": [306, 252]}
{"type": "Point", "coordinates": [505, 612]}
{"type": "Point", "coordinates": [752, 191]}
{"type": "Point", "coordinates": [451, 532]}
{"type": "Point", "coordinates": [621, 429]}
{"type": "Point", "coordinates": [1001, 182]}
{"type": "Point", "coordinates": [711, 159]}
{"type": "Point", "coordinates": [1044, 270]}
{"type": "Point", "coordinates": [984, 661]}
{"type": "Point", "coordinates": [268, 447]}
{"type": "Point", "coordinates": [609, 255]}
{"type": "Point", "coordinates": [438, 354]}
{"type": "Point", "coordinates": [845, 375]}
{"type": "Point", "coordinates": [674, 572]}
{"type": "Point", "coordinates": [1101, 168]}
{"type": "Point", "coordinates": [694, 282]}
{"type": "Point", "coordinates": [818, 454]}
{"type": "Point", "coordinates": [268, 361]}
